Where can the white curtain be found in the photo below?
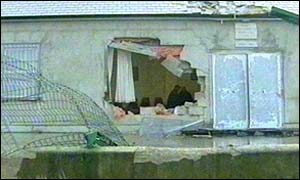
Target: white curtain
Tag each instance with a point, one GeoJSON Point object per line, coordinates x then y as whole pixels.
{"type": "Point", "coordinates": [110, 59]}
{"type": "Point", "coordinates": [125, 84]}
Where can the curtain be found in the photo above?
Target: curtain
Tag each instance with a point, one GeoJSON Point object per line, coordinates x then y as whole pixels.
{"type": "Point", "coordinates": [125, 84]}
{"type": "Point", "coordinates": [110, 60]}
{"type": "Point", "coordinates": [110, 56]}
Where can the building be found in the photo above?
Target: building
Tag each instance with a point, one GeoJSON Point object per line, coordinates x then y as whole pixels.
{"type": "Point", "coordinates": [240, 60]}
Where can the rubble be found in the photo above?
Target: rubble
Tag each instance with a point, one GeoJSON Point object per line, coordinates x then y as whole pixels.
{"type": "Point", "coordinates": [226, 7]}
{"type": "Point", "coordinates": [201, 100]}
{"type": "Point", "coordinates": [180, 110]}
{"type": "Point", "coordinates": [147, 110]}
{"type": "Point", "coordinates": [195, 111]}
{"type": "Point", "coordinates": [119, 113]}
{"type": "Point", "coordinates": [189, 108]}
{"type": "Point", "coordinates": [161, 110]}
{"type": "Point", "coordinates": [188, 104]}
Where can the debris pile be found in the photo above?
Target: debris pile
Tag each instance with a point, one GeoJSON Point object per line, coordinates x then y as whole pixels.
{"type": "Point", "coordinates": [189, 108]}
{"type": "Point", "coordinates": [226, 7]}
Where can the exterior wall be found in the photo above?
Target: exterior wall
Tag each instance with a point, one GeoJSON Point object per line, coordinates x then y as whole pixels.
{"type": "Point", "coordinates": [73, 51]}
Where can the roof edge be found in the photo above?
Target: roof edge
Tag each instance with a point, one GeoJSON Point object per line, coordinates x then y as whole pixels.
{"type": "Point", "coordinates": [265, 15]}
{"type": "Point", "coordinates": [286, 15]}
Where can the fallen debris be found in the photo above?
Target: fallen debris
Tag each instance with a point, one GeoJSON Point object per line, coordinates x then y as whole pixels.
{"type": "Point", "coordinates": [180, 110]}
{"type": "Point", "coordinates": [161, 110]}
{"type": "Point", "coordinates": [119, 113]}
{"type": "Point", "coordinates": [189, 108]}
{"type": "Point", "coordinates": [147, 110]}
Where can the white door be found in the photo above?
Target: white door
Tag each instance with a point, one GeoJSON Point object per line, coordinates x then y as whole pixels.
{"type": "Point", "coordinates": [230, 91]}
{"type": "Point", "coordinates": [247, 91]}
{"type": "Point", "coordinates": [265, 90]}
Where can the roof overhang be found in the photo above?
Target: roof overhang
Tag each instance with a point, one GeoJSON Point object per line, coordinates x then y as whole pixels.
{"type": "Point", "coordinates": [286, 15]}
{"type": "Point", "coordinates": [140, 16]}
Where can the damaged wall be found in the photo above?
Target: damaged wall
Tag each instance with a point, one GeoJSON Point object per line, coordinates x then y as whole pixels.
{"type": "Point", "coordinates": [156, 81]}
{"type": "Point", "coordinates": [72, 52]}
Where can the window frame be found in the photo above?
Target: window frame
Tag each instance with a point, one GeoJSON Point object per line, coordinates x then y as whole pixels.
{"type": "Point", "coordinates": [37, 66]}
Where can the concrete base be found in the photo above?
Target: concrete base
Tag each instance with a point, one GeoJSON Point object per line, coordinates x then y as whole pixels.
{"type": "Point", "coordinates": [263, 161]}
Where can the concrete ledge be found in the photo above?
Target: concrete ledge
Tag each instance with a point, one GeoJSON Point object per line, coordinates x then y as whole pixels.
{"type": "Point", "coordinates": [46, 128]}
{"type": "Point", "coordinates": [291, 126]}
{"type": "Point", "coordinates": [263, 161]}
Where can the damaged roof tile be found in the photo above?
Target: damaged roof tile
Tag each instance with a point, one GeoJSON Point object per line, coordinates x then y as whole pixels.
{"type": "Point", "coordinates": [65, 8]}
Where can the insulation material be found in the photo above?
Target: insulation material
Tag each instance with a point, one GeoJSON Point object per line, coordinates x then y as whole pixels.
{"type": "Point", "coordinates": [125, 85]}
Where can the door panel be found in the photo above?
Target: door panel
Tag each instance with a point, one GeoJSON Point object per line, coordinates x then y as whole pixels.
{"type": "Point", "coordinates": [265, 90]}
{"type": "Point", "coordinates": [230, 91]}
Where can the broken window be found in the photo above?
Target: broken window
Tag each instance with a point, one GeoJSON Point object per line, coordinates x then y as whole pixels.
{"type": "Point", "coordinates": [161, 83]}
